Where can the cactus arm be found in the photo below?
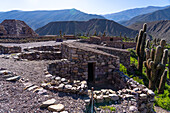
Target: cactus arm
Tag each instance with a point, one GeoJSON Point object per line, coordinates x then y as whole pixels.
{"type": "Point", "coordinates": [147, 53]}
{"type": "Point", "coordinates": [152, 54]}
{"type": "Point", "coordinates": [139, 42]}
{"type": "Point", "coordinates": [162, 82]}
{"type": "Point", "coordinates": [142, 47]}
{"type": "Point", "coordinates": [144, 27]}
{"type": "Point", "coordinates": [165, 57]}
{"type": "Point", "coordinates": [158, 55]}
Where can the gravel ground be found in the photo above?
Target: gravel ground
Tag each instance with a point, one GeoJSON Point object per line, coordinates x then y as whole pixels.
{"type": "Point", "coordinates": [13, 97]}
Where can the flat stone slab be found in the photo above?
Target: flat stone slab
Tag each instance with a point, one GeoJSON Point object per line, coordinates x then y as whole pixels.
{"type": "Point", "coordinates": [5, 72]}
{"type": "Point", "coordinates": [57, 107]}
{"type": "Point", "coordinates": [8, 76]}
{"type": "Point", "coordinates": [32, 87]}
{"type": "Point", "coordinates": [27, 85]}
{"type": "Point", "coordinates": [48, 103]}
{"type": "Point", "coordinates": [15, 78]}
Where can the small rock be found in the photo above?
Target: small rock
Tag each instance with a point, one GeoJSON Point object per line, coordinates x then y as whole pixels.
{"type": "Point", "coordinates": [114, 97]}
{"type": "Point", "coordinates": [48, 103]}
{"type": "Point", "coordinates": [58, 107]}
{"type": "Point", "coordinates": [64, 112]}
{"type": "Point", "coordinates": [49, 75]}
{"type": "Point", "coordinates": [143, 96]}
{"type": "Point", "coordinates": [58, 78]}
{"type": "Point", "coordinates": [133, 108]}
{"type": "Point", "coordinates": [63, 80]}
{"type": "Point", "coordinates": [150, 92]}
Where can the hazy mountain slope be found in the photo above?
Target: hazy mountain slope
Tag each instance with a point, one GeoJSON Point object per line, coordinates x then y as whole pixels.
{"type": "Point", "coordinates": [158, 29]}
{"type": "Point", "coordinates": [130, 13]}
{"type": "Point", "coordinates": [36, 19]}
{"type": "Point", "coordinates": [74, 27]}
{"type": "Point", "coordinates": [163, 14]}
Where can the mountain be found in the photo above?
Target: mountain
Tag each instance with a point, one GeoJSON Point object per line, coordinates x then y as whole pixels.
{"type": "Point", "coordinates": [37, 19]}
{"type": "Point", "coordinates": [74, 27]}
{"type": "Point", "coordinates": [130, 13]}
{"type": "Point", "coordinates": [157, 29]}
{"type": "Point", "coordinates": [163, 14]}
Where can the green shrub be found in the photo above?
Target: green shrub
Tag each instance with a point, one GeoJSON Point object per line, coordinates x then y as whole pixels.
{"type": "Point", "coordinates": [123, 69]}
{"type": "Point", "coordinates": [111, 108]}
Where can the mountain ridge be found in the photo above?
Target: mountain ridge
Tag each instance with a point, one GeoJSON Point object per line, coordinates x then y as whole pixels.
{"type": "Point", "coordinates": [38, 18]}
{"type": "Point", "coordinates": [130, 13]}
{"type": "Point", "coordinates": [163, 14]}
{"type": "Point", "coordinates": [84, 27]}
{"type": "Point", "coordinates": [157, 29]}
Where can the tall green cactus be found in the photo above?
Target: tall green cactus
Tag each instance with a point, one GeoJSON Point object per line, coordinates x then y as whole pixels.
{"type": "Point", "coordinates": [155, 66]}
{"type": "Point", "coordinates": [140, 47]}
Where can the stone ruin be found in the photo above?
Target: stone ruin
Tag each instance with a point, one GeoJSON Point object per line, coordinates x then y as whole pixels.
{"type": "Point", "coordinates": [81, 65]}
{"type": "Point", "coordinates": [100, 65]}
{"type": "Point", "coordinates": [115, 42]}
{"type": "Point", "coordinates": [9, 49]}
{"type": "Point", "coordinates": [16, 28]}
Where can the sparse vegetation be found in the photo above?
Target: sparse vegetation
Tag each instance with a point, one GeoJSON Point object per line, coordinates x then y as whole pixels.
{"type": "Point", "coordinates": [162, 100]}
{"type": "Point", "coordinates": [111, 108]}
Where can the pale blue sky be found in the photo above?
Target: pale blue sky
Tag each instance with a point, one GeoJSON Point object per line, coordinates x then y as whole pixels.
{"type": "Point", "coordinates": [88, 6]}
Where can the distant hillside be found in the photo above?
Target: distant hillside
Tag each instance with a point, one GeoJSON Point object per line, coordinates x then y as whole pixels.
{"type": "Point", "coordinates": [98, 25]}
{"type": "Point", "coordinates": [157, 29]}
{"type": "Point", "coordinates": [130, 13]}
{"type": "Point", "coordinates": [37, 19]}
{"type": "Point", "coordinates": [163, 14]}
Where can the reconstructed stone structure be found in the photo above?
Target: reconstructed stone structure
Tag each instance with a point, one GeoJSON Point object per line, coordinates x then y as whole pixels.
{"type": "Point", "coordinates": [16, 28]}
{"type": "Point", "coordinates": [9, 50]}
{"type": "Point", "coordinates": [115, 42]}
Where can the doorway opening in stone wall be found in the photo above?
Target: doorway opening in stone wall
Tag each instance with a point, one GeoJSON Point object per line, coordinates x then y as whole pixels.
{"type": "Point", "coordinates": [91, 72]}
{"type": "Point", "coordinates": [111, 39]}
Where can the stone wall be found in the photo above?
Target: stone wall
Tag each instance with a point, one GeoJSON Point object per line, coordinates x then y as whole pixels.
{"type": "Point", "coordinates": [80, 56]}
{"type": "Point", "coordinates": [9, 50]}
{"type": "Point", "coordinates": [40, 55]}
{"type": "Point", "coordinates": [123, 54]}
{"type": "Point", "coordinates": [122, 45]}
{"type": "Point", "coordinates": [44, 48]}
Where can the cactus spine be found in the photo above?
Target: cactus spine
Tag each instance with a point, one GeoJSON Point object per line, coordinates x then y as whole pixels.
{"type": "Point", "coordinates": [140, 47]}
{"type": "Point", "coordinates": [155, 66]}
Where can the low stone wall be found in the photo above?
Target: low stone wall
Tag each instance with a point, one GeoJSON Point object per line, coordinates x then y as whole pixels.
{"type": "Point", "coordinates": [40, 55]}
{"type": "Point", "coordinates": [122, 45]}
{"type": "Point", "coordinates": [9, 50]}
{"type": "Point", "coordinates": [44, 48]}
{"type": "Point", "coordinates": [124, 55]}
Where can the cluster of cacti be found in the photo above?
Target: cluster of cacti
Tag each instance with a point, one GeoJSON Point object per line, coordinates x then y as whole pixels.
{"type": "Point", "coordinates": [140, 47]}
{"type": "Point", "coordinates": [155, 63]}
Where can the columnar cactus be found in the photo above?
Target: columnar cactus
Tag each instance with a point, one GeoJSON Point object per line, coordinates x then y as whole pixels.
{"type": "Point", "coordinates": [155, 66]}
{"type": "Point", "coordinates": [136, 38]}
{"type": "Point", "coordinates": [140, 47]}
{"type": "Point", "coordinates": [147, 43]}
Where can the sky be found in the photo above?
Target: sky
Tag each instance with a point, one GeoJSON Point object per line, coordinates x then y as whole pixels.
{"type": "Point", "coordinates": [87, 6]}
